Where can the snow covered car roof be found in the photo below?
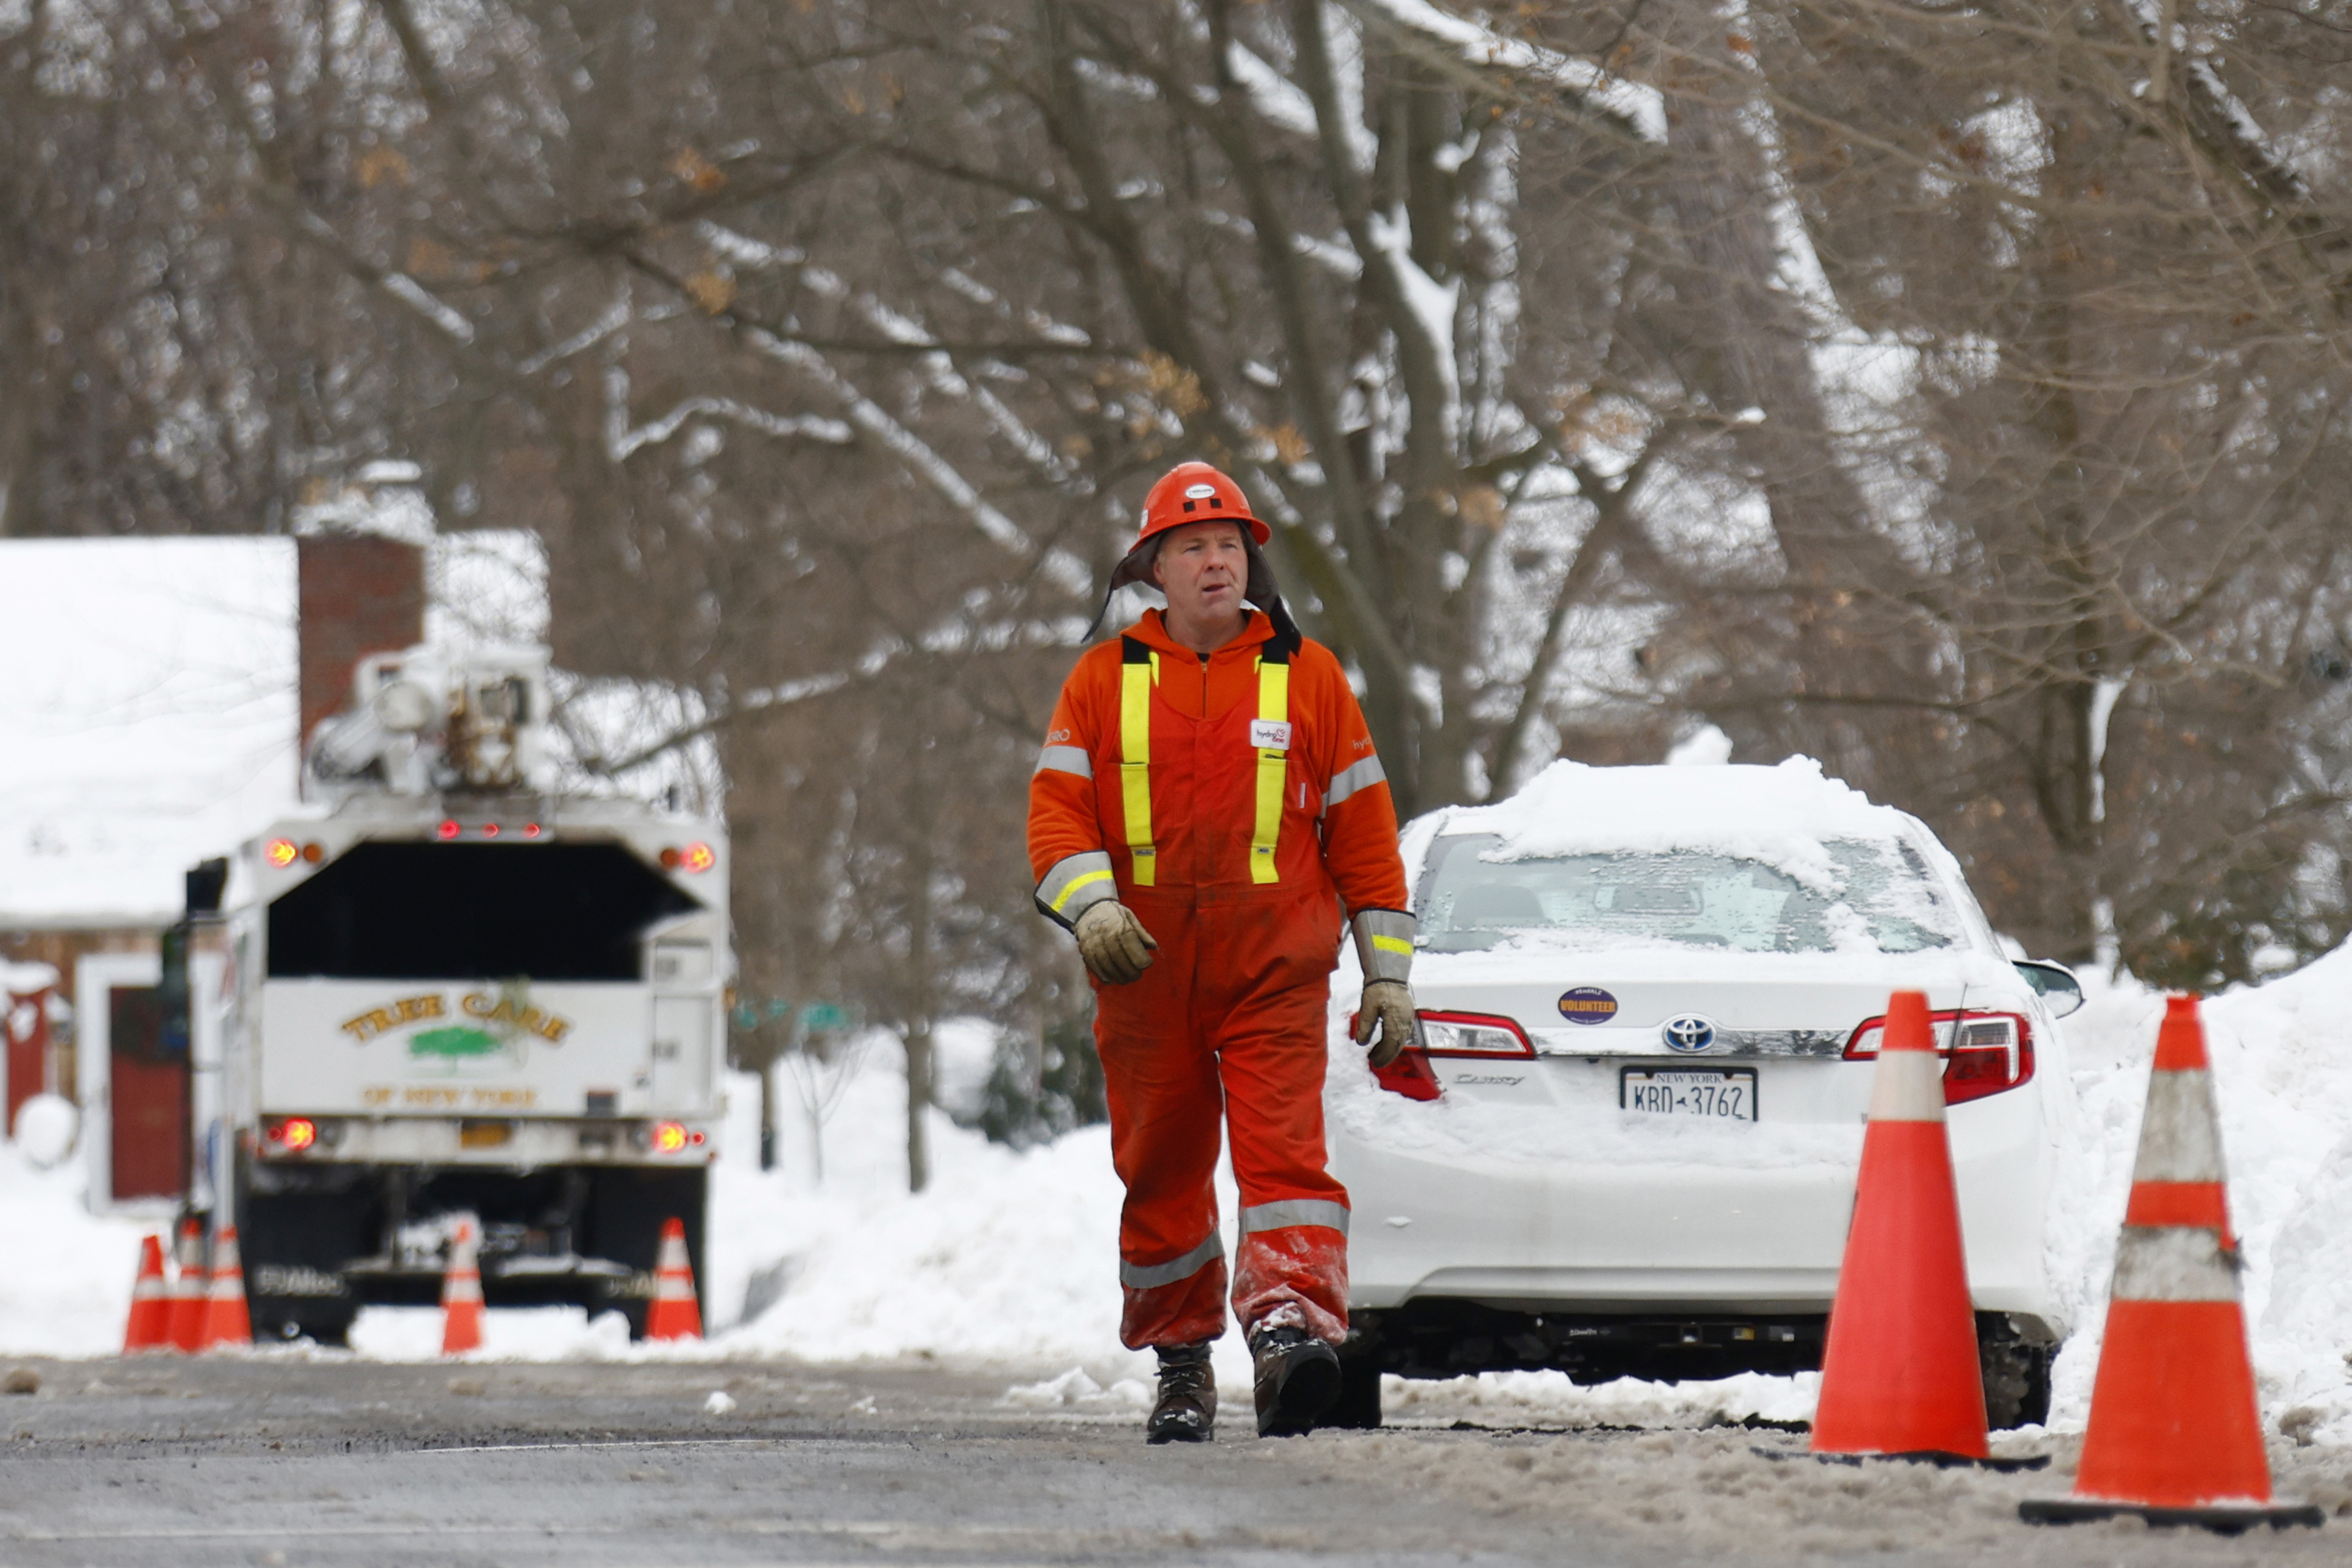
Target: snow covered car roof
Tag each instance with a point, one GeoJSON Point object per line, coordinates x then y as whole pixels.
{"type": "Point", "coordinates": [1805, 831]}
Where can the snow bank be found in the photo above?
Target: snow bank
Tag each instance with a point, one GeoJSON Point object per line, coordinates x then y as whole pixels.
{"type": "Point", "coordinates": [65, 1274]}
{"type": "Point", "coordinates": [2282, 1072]}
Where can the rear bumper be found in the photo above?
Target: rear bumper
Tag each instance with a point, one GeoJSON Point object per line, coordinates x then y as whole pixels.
{"type": "Point", "coordinates": [1634, 1239]}
{"type": "Point", "coordinates": [488, 1142]}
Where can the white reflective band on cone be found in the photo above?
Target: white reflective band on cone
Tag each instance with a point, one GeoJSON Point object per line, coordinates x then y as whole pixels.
{"type": "Point", "coordinates": [1908, 1086]}
{"type": "Point", "coordinates": [1288, 1212]}
{"type": "Point", "coordinates": [2173, 1263]}
{"type": "Point", "coordinates": [2179, 1137]}
{"type": "Point", "coordinates": [1151, 1276]}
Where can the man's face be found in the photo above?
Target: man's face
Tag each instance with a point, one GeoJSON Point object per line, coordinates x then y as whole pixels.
{"type": "Point", "coordinates": [1202, 568]}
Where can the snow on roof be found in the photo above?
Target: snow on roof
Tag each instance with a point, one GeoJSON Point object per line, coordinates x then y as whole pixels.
{"type": "Point", "coordinates": [147, 716]}
{"type": "Point", "coordinates": [1780, 815]}
{"type": "Point", "coordinates": [148, 703]}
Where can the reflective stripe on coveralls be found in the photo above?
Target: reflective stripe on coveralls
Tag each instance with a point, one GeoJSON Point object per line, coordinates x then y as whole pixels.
{"type": "Point", "coordinates": [1294, 1211]}
{"type": "Point", "coordinates": [1355, 776]}
{"type": "Point", "coordinates": [1076, 882]}
{"type": "Point", "coordinates": [1065, 758]}
{"type": "Point", "coordinates": [1149, 1276]}
{"type": "Point", "coordinates": [1137, 669]}
{"type": "Point", "coordinates": [1271, 735]}
{"type": "Point", "coordinates": [1384, 944]}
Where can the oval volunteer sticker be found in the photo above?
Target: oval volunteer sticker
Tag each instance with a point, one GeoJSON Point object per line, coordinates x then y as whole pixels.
{"type": "Point", "coordinates": [1587, 1005]}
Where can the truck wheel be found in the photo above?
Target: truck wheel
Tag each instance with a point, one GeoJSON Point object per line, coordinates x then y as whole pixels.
{"type": "Point", "coordinates": [1359, 1404]}
{"type": "Point", "coordinates": [323, 1326]}
{"type": "Point", "coordinates": [2016, 1376]}
{"type": "Point", "coordinates": [626, 1210]}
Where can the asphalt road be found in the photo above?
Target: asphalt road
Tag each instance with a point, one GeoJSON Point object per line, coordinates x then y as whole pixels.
{"type": "Point", "coordinates": [284, 1462]}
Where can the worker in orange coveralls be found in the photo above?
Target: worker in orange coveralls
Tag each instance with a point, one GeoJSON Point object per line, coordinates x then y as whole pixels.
{"type": "Point", "coordinates": [1207, 802]}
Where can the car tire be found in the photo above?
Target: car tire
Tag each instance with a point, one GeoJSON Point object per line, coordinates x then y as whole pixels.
{"type": "Point", "coordinates": [2016, 1378]}
{"type": "Point", "coordinates": [1357, 1408]}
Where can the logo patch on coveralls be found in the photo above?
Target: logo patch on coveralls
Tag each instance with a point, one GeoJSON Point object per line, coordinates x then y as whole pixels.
{"type": "Point", "coordinates": [1270, 735]}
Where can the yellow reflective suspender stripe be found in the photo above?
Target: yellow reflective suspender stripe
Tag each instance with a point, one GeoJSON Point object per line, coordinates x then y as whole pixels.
{"type": "Point", "coordinates": [1135, 756]}
{"type": "Point", "coordinates": [1273, 708]}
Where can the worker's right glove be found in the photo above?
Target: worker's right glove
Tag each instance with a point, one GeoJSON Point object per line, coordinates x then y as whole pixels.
{"type": "Point", "coordinates": [1117, 948]}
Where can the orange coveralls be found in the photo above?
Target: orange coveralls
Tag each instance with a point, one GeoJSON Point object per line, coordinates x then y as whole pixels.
{"type": "Point", "coordinates": [1233, 801]}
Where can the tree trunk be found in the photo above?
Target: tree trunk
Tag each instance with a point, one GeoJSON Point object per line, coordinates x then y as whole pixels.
{"type": "Point", "coordinates": [918, 1024]}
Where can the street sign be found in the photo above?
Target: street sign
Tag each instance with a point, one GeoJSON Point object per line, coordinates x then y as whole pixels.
{"type": "Point", "coordinates": [823, 1017]}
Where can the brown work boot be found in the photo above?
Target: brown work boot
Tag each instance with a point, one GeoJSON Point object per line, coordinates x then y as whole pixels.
{"type": "Point", "coordinates": [1187, 1410]}
{"type": "Point", "coordinates": [1297, 1380]}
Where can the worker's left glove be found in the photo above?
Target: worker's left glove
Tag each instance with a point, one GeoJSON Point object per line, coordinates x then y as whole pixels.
{"type": "Point", "coordinates": [1384, 949]}
{"type": "Point", "coordinates": [1387, 1007]}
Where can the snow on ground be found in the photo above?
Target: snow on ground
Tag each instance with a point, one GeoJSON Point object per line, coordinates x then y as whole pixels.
{"type": "Point", "coordinates": [1008, 1259]}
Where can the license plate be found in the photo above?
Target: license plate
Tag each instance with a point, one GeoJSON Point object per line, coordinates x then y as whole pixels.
{"type": "Point", "coordinates": [1720, 1094]}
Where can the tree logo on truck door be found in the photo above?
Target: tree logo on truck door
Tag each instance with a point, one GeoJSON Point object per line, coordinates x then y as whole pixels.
{"type": "Point", "coordinates": [454, 1045]}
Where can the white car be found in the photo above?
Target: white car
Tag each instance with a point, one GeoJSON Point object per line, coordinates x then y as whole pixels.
{"type": "Point", "coordinates": [1650, 1000]}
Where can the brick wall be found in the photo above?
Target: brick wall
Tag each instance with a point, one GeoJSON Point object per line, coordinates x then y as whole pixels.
{"type": "Point", "coordinates": [360, 594]}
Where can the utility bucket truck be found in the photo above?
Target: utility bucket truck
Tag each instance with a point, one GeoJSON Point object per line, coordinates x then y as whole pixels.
{"type": "Point", "coordinates": [456, 991]}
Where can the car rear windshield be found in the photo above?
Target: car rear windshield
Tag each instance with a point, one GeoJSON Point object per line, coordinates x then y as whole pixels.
{"type": "Point", "coordinates": [1886, 897]}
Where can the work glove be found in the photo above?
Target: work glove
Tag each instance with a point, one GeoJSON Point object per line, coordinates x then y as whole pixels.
{"type": "Point", "coordinates": [1117, 948]}
{"type": "Point", "coordinates": [1387, 1005]}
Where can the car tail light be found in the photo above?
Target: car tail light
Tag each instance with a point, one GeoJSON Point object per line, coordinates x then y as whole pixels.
{"type": "Point", "coordinates": [1411, 1076]}
{"type": "Point", "coordinates": [1472, 1035]}
{"type": "Point", "coordinates": [1478, 1036]}
{"type": "Point", "coordinates": [1984, 1053]}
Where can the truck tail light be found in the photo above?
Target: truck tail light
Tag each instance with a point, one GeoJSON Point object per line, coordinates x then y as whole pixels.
{"type": "Point", "coordinates": [1984, 1053]}
{"type": "Point", "coordinates": [670, 1137]}
{"type": "Point", "coordinates": [294, 1134]}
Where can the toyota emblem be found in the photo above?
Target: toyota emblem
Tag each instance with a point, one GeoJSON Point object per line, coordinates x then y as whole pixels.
{"type": "Point", "coordinates": [1688, 1032]}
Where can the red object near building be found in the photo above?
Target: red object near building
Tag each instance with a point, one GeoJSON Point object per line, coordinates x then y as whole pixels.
{"type": "Point", "coordinates": [24, 1025]}
{"type": "Point", "coordinates": [150, 1095]}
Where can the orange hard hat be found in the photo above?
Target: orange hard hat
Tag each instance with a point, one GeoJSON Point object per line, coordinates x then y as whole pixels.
{"type": "Point", "coordinates": [1195, 493]}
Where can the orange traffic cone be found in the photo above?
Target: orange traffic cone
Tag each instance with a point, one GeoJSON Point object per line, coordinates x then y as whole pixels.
{"type": "Point", "coordinates": [151, 1302]}
{"type": "Point", "coordinates": [2176, 1436]}
{"type": "Point", "coordinates": [187, 1322]}
{"type": "Point", "coordinates": [227, 1324]}
{"type": "Point", "coordinates": [1899, 1374]}
{"type": "Point", "coordinates": [461, 1291]}
{"type": "Point", "coordinates": [674, 1314]}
